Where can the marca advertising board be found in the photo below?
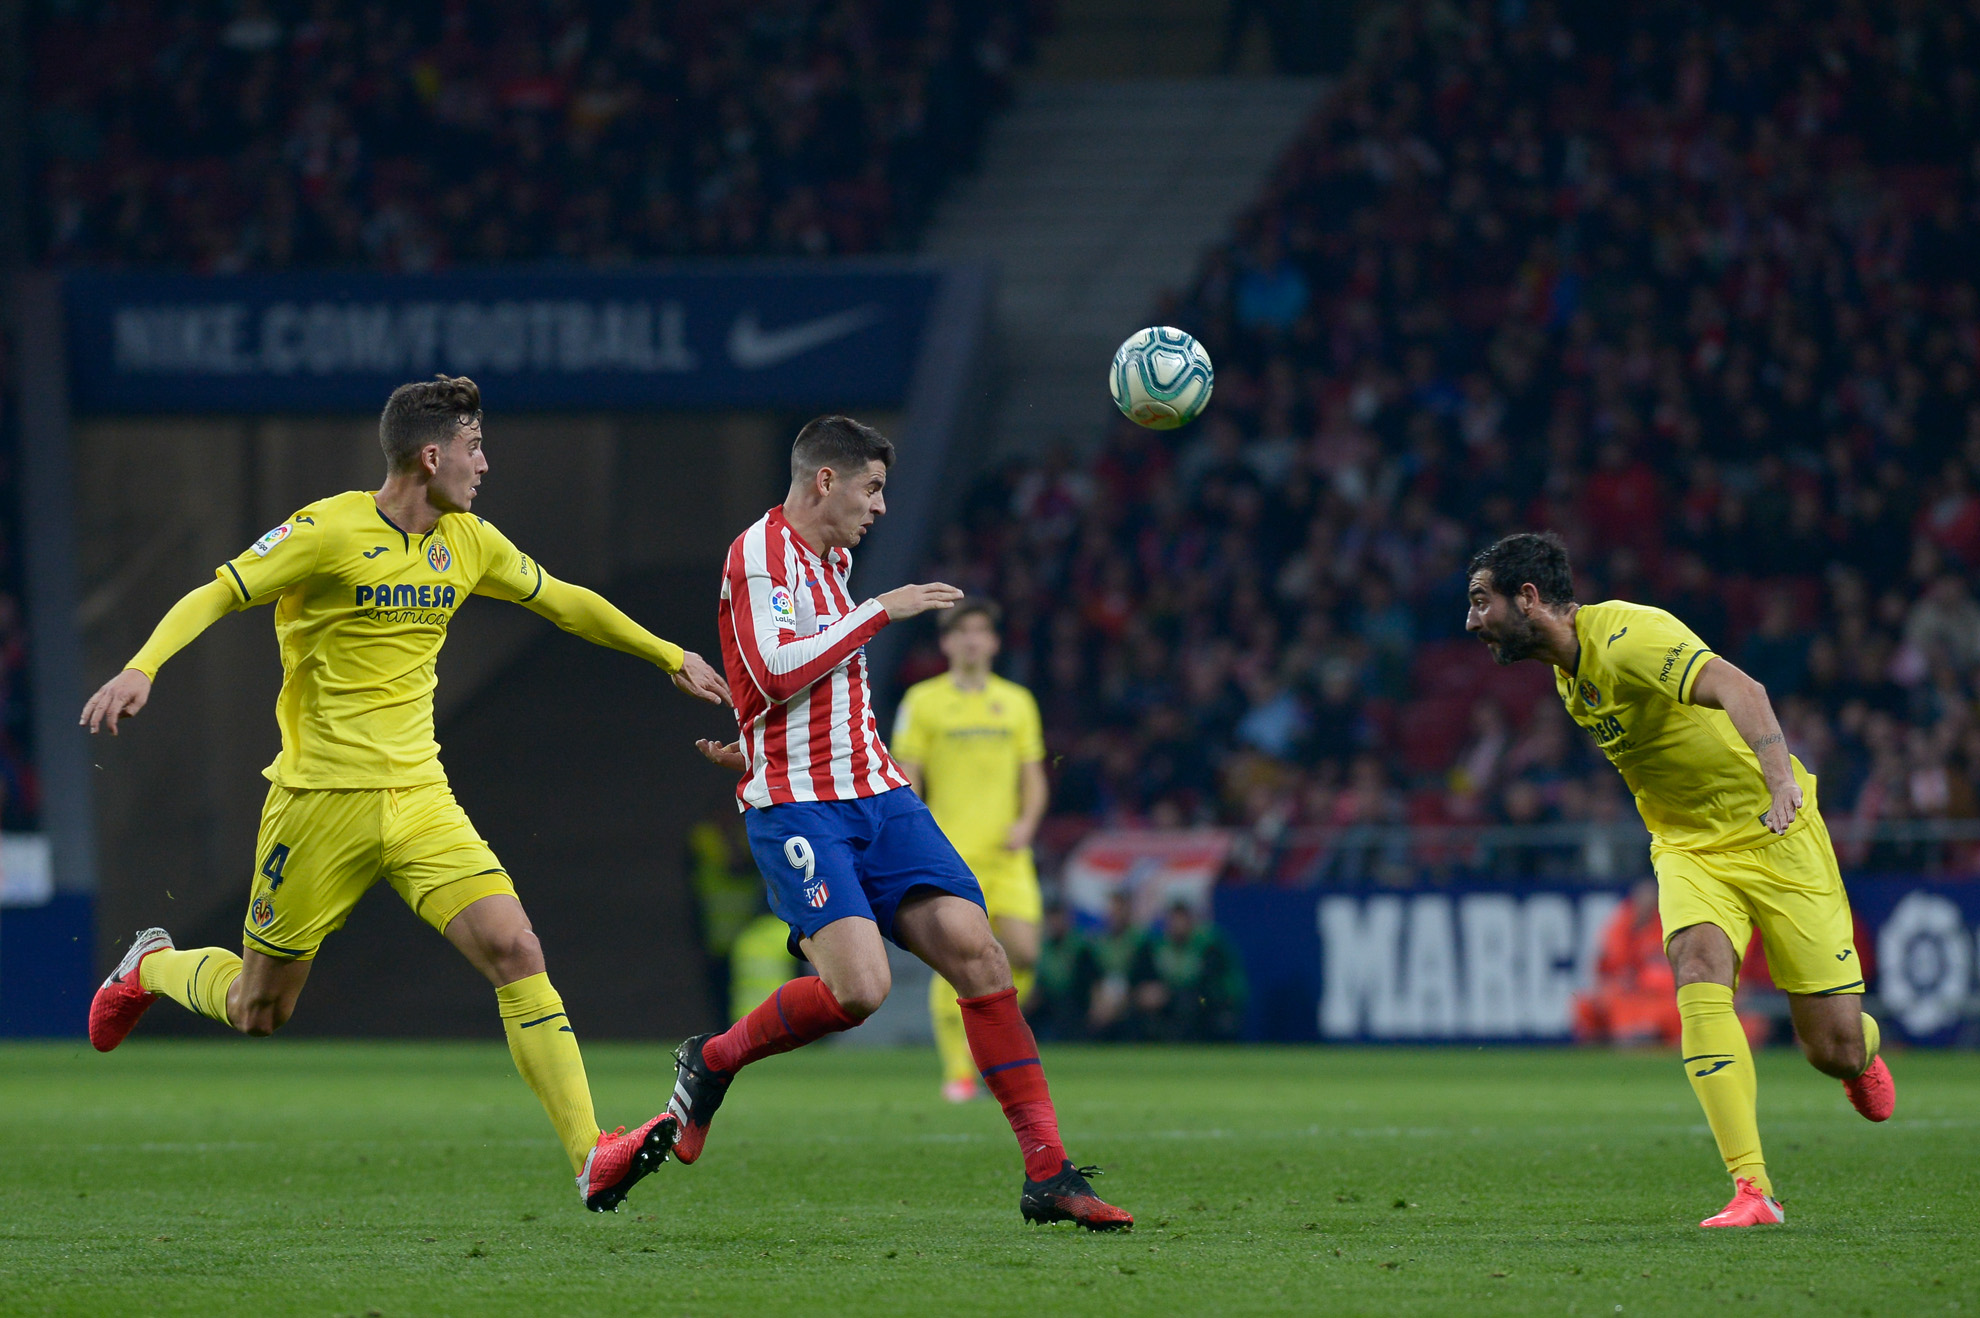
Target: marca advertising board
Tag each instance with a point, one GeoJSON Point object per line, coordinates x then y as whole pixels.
{"type": "Point", "coordinates": [1503, 964]}
{"type": "Point", "coordinates": [694, 336]}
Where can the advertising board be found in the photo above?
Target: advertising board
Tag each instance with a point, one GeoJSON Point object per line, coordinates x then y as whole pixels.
{"type": "Point", "coordinates": [1459, 965]}
{"type": "Point", "coordinates": [762, 335]}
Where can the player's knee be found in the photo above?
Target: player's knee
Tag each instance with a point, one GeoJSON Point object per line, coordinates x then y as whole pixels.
{"type": "Point", "coordinates": [863, 992]}
{"type": "Point", "coordinates": [1701, 955]}
{"type": "Point", "coordinates": [981, 968]}
{"type": "Point", "coordinates": [513, 954]}
{"type": "Point", "coordinates": [1694, 970]}
{"type": "Point", "coordinates": [1836, 1053]}
{"type": "Point", "coordinates": [260, 1015]}
{"type": "Point", "coordinates": [996, 962]}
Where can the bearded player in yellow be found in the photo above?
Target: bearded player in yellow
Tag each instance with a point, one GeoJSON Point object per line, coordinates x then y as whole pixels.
{"type": "Point", "coordinates": [364, 585]}
{"type": "Point", "coordinates": [1735, 837]}
{"type": "Point", "coordinates": [972, 745]}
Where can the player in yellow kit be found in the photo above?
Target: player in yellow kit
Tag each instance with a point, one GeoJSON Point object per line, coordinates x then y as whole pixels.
{"type": "Point", "coordinates": [1735, 837]}
{"type": "Point", "coordinates": [972, 745]}
{"type": "Point", "coordinates": [364, 585]}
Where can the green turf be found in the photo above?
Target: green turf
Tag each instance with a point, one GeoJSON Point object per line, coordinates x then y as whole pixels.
{"type": "Point", "coordinates": [420, 1179]}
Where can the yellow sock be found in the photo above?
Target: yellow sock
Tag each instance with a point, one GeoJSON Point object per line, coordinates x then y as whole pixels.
{"type": "Point", "coordinates": [1024, 979]}
{"type": "Point", "coordinates": [950, 1041]}
{"type": "Point", "coordinates": [1873, 1040]}
{"type": "Point", "coordinates": [546, 1053]}
{"type": "Point", "coordinates": [1719, 1065]}
{"type": "Point", "coordinates": [197, 978]}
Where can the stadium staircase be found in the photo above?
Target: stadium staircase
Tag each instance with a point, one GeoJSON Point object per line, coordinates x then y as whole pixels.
{"type": "Point", "coordinates": [1093, 198]}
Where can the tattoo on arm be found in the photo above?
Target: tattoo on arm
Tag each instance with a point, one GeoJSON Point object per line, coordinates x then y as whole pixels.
{"type": "Point", "coordinates": [1771, 739]}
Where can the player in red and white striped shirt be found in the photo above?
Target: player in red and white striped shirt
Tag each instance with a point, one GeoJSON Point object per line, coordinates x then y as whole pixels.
{"type": "Point", "coordinates": [789, 624]}
{"type": "Point", "coordinates": [849, 853]}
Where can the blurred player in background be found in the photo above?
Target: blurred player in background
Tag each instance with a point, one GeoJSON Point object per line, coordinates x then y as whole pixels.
{"type": "Point", "coordinates": [848, 856]}
{"type": "Point", "coordinates": [1735, 837]}
{"type": "Point", "coordinates": [973, 747]}
{"type": "Point", "coordinates": [727, 897]}
{"type": "Point", "coordinates": [364, 585]}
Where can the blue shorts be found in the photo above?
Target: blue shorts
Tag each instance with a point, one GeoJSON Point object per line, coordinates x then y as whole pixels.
{"type": "Point", "coordinates": [826, 860]}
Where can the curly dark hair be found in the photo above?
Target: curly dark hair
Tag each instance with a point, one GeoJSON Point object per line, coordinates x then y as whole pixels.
{"type": "Point", "coordinates": [1538, 557]}
{"type": "Point", "coordinates": [425, 412]}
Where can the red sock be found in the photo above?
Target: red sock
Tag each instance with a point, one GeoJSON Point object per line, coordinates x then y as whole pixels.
{"type": "Point", "coordinates": [1007, 1055]}
{"type": "Point", "coordinates": [798, 1012]}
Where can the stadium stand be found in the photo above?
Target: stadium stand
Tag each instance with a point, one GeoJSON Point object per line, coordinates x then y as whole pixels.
{"type": "Point", "coordinates": [270, 136]}
{"type": "Point", "coordinates": [19, 790]}
{"type": "Point", "coordinates": [1695, 287]}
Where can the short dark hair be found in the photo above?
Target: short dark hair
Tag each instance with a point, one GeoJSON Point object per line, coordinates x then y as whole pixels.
{"type": "Point", "coordinates": [973, 606]}
{"type": "Point", "coordinates": [1538, 557]}
{"type": "Point", "coordinates": [425, 412]}
{"type": "Point", "coordinates": [838, 442]}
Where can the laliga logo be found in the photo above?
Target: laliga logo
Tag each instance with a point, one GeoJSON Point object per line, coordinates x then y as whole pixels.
{"type": "Point", "coordinates": [1926, 957]}
{"type": "Point", "coordinates": [437, 557]}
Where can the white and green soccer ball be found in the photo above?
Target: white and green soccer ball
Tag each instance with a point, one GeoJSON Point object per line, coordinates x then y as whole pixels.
{"type": "Point", "coordinates": [1161, 378]}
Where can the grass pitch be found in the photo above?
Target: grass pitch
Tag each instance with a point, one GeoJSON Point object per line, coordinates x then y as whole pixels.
{"type": "Point", "coordinates": [301, 1177]}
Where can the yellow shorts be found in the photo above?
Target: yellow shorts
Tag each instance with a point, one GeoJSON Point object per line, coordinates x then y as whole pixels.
{"type": "Point", "coordinates": [319, 851]}
{"type": "Point", "coordinates": [1009, 880]}
{"type": "Point", "coordinates": [1791, 889]}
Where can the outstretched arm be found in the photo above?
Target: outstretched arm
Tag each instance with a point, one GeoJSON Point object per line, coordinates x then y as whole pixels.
{"type": "Point", "coordinates": [586, 613]}
{"type": "Point", "coordinates": [126, 693]}
{"type": "Point", "coordinates": [1722, 686]}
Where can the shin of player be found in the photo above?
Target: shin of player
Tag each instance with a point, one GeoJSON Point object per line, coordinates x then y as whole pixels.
{"type": "Point", "coordinates": [850, 856]}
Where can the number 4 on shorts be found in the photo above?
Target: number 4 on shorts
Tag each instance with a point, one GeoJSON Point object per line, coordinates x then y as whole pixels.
{"type": "Point", "coordinates": [272, 867]}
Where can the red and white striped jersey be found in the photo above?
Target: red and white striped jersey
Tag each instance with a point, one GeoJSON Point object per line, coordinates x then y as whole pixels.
{"type": "Point", "coordinates": [791, 646]}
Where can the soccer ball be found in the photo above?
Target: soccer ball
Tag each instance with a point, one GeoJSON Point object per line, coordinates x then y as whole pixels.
{"type": "Point", "coordinates": [1161, 378]}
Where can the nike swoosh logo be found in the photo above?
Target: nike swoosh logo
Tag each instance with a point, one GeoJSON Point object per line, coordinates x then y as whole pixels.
{"type": "Point", "coordinates": [753, 348]}
{"type": "Point", "coordinates": [1618, 636]}
{"type": "Point", "coordinates": [375, 552]}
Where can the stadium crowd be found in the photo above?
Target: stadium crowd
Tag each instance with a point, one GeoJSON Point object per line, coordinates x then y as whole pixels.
{"type": "Point", "coordinates": [276, 134]}
{"type": "Point", "coordinates": [1696, 287]}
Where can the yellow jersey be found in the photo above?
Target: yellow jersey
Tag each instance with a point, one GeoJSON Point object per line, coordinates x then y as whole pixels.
{"type": "Point", "coordinates": [970, 746]}
{"type": "Point", "coordinates": [361, 610]}
{"type": "Point", "coordinates": [1698, 785]}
